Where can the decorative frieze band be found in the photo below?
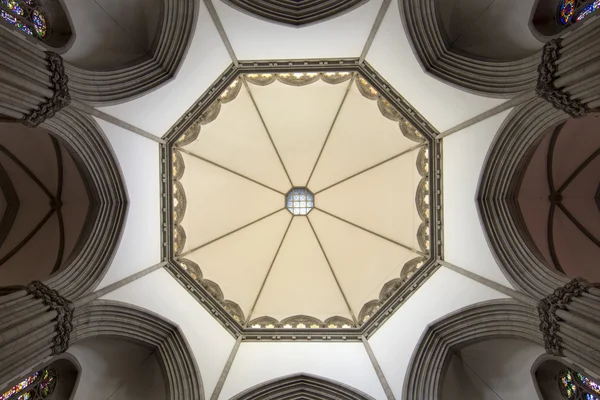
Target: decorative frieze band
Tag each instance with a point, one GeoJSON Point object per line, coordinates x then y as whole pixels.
{"type": "Point", "coordinates": [64, 309]}
{"type": "Point", "coordinates": [60, 97]}
{"type": "Point", "coordinates": [549, 321]}
{"type": "Point", "coordinates": [547, 74]}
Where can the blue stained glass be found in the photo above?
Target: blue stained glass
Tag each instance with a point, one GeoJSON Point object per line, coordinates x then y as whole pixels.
{"type": "Point", "coordinates": [588, 10]}
{"type": "Point", "coordinates": [14, 21]}
{"type": "Point", "coordinates": [566, 10]}
{"type": "Point", "coordinates": [13, 6]}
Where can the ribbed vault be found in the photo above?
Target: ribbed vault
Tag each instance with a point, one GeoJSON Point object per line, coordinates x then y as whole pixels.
{"type": "Point", "coordinates": [366, 167]}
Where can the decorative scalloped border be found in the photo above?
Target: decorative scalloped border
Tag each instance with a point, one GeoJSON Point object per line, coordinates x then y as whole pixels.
{"type": "Point", "coordinates": [302, 79]}
{"type": "Point", "coordinates": [394, 298]}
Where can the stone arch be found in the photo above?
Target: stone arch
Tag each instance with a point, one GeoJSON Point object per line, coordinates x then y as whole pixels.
{"type": "Point", "coordinates": [125, 321]}
{"type": "Point", "coordinates": [108, 204]}
{"type": "Point", "coordinates": [488, 320]}
{"type": "Point", "coordinates": [498, 209]}
{"type": "Point", "coordinates": [167, 51]}
{"type": "Point", "coordinates": [475, 74]}
{"type": "Point", "coordinates": [295, 13]}
{"type": "Point", "coordinates": [44, 204]}
{"type": "Point", "coordinates": [103, 175]}
{"type": "Point", "coordinates": [303, 386]}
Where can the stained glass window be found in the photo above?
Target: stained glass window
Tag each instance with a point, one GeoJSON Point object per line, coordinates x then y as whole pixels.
{"type": "Point", "coordinates": [299, 201]}
{"type": "Point", "coordinates": [26, 15]}
{"type": "Point", "coordinates": [576, 386]}
{"type": "Point", "coordinates": [587, 10]}
{"type": "Point", "coordinates": [37, 386]}
{"type": "Point", "coordinates": [572, 11]}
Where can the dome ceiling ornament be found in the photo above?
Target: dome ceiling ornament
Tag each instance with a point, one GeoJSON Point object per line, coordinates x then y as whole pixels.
{"type": "Point", "coordinates": [301, 201]}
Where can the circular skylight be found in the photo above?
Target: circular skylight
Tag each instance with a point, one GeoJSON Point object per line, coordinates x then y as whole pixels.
{"type": "Point", "coordinates": [299, 201]}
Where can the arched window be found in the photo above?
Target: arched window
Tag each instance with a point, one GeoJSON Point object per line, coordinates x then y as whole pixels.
{"type": "Point", "coordinates": [37, 386]}
{"type": "Point", "coordinates": [572, 11]}
{"type": "Point", "coordinates": [27, 15]}
{"type": "Point", "coordinates": [576, 386]}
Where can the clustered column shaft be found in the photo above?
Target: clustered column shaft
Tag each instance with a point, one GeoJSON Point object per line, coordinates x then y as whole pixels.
{"type": "Point", "coordinates": [33, 83]}
{"type": "Point", "coordinates": [569, 73]}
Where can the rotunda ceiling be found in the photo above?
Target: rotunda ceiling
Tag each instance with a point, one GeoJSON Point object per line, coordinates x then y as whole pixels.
{"type": "Point", "coordinates": [301, 200]}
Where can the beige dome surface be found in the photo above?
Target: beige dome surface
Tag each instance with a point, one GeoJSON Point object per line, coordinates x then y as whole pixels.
{"type": "Point", "coordinates": [331, 134]}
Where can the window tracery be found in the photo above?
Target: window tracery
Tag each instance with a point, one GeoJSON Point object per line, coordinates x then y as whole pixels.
{"type": "Point", "coordinates": [39, 385]}
{"type": "Point", "coordinates": [25, 15]}
{"type": "Point", "coordinates": [573, 11]}
{"type": "Point", "coordinates": [576, 386]}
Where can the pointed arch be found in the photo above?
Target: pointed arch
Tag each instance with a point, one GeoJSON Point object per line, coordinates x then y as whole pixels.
{"type": "Point", "coordinates": [125, 321]}
{"type": "Point", "coordinates": [437, 56]}
{"type": "Point", "coordinates": [304, 386]}
{"type": "Point", "coordinates": [497, 201]}
{"type": "Point", "coordinates": [175, 32]}
{"type": "Point", "coordinates": [487, 320]}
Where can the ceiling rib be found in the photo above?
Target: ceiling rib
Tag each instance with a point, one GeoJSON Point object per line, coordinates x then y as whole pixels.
{"type": "Point", "coordinates": [378, 20]}
{"type": "Point", "coordinates": [373, 233]}
{"type": "Point", "coordinates": [217, 21]}
{"type": "Point", "coordinates": [266, 129]}
{"type": "Point", "coordinates": [227, 169]}
{"type": "Point", "coordinates": [373, 166]}
{"type": "Point", "coordinates": [229, 233]}
{"type": "Point", "coordinates": [332, 125]}
{"type": "Point", "coordinates": [333, 272]}
{"type": "Point", "coordinates": [26, 169]}
{"type": "Point", "coordinates": [268, 273]}
{"type": "Point", "coordinates": [59, 215]}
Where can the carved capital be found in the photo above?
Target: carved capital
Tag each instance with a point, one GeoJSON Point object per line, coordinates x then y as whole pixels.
{"type": "Point", "coordinates": [60, 97]}
{"type": "Point", "coordinates": [549, 321]}
{"type": "Point", "coordinates": [546, 89]}
{"type": "Point", "coordinates": [63, 307]}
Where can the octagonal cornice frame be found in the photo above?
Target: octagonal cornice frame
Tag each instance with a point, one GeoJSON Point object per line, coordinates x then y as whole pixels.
{"type": "Point", "coordinates": [393, 301]}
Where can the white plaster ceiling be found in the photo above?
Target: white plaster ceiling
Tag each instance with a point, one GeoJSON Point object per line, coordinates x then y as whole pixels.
{"type": "Point", "coordinates": [267, 139]}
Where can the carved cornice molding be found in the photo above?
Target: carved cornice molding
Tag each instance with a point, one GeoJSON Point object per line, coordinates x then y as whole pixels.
{"type": "Point", "coordinates": [436, 56]}
{"type": "Point", "coordinates": [484, 321]}
{"type": "Point", "coordinates": [301, 387]}
{"type": "Point", "coordinates": [120, 320]}
{"type": "Point", "coordinates": [294, 12]}
{"type": "Point", "coordinates": [174, 36]}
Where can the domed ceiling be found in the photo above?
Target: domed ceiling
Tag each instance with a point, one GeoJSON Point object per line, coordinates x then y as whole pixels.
{"type": "Point", "coordinates": [301, 200]}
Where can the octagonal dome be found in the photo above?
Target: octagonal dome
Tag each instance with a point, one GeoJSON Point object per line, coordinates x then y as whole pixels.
{"type": "Point", "coordinates": [355, 167]}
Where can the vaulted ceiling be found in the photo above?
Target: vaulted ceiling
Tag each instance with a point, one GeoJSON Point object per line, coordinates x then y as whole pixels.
{"type": "Point", "coordinates": [363, 230]}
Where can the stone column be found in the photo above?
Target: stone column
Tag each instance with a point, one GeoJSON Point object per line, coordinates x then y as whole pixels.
{"type": "Point", "coordinates": [36, 323]}
{"type": "Point", "coordinates": [33, 83]}
{"type": "Point", "coordinates": [570, 323]}
{"type": "Point", "coordinates": [569, 318]}
{"type": "Point", "coordinates": [569, 73]}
